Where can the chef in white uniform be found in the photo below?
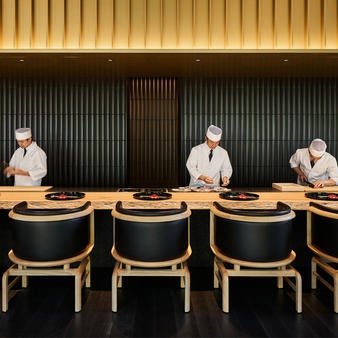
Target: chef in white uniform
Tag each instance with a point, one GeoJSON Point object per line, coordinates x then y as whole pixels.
{"type": "Point", "coordinates": [315, 165]}
{"type": "Point", "coordinates": [28, 164]}
{"type": "Point", "coordinates": [208, 163]}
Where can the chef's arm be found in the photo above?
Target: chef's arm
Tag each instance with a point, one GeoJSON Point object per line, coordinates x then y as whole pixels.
{"type": "Point", "coordinates": [301, 175]}
{"type": "Point", "coordinates": [14, 171]}
{"type": "Point", "coordinates": [324, 183]}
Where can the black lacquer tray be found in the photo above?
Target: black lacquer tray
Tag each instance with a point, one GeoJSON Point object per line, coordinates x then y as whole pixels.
{"type": "Point", "coordinates": [65, 196]}
{"type": "Point", "coordinates": [323, 196]}
{"type": "Point", "coordinates": [238, 196]}
{"type": "Point", "coordinates": [152, 196]}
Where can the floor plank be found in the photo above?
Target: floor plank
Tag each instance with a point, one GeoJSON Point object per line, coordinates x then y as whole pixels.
{"type": "Point", "coordinates": [154, 307]}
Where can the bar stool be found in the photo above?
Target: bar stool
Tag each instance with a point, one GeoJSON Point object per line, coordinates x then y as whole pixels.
{"type": "Point", "coordinates": [151, 242]}
{"type": "Point", "coordinates": [253, 243]}
{"type": "Point", "coordinates": [322, 240]}
{"type": "Point", "coordinates": [50, 242]}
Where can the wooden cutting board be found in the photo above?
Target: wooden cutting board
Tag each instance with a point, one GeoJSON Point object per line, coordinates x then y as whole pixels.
{"type": "Point", "coordinates": [288, 187]}
{"type": "Point", "coordinates": [297, 187]}
{"type": "Point", "coordinates": [24, 188]}
{"type": "Point", "coordinates": [332, 188]}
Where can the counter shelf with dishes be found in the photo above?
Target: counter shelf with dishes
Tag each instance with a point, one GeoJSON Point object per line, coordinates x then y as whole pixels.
{"type": "Point", "coordinates": [106, 200]}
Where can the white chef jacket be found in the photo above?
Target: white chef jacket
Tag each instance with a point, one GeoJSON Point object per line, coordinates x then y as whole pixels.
{"type": "Point", "coordinates": [35, 162]}
{"type": "Point", "coordinates": [198, 164]}
{"type": "Point", "coordinates": [325, 168]}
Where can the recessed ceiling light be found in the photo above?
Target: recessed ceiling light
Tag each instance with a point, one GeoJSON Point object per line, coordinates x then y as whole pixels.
{"type": "Point", "coordinates": [21, 60]}
{"type": "Point", "coordinates": [110, 60]}
{"type": "Point", "coordinates": [71, 57]}
{"type": "Point", "coordinates": [285, 60]}
{"type": "Point", "coordinates": [197, 60]}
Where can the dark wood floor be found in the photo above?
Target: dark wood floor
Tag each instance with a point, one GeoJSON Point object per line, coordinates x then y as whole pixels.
{"type": "Point", "coordinates": [153, 307]}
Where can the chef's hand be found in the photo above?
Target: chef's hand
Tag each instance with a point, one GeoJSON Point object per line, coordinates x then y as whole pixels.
{"type": "Point", "coordinates": [303, 178]}
{"type": "Point", "coordinates": [9, 171]}
{"type": "Point", "coordinates": [318, 184]}
{"type": "Point", "coordinates": [225, 182]}
{"type": "Point", "coordinates": [206, 179]}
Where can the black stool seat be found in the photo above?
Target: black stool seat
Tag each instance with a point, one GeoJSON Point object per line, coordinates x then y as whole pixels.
{"type": "Point", "coordinates": [151, 242]}
{"type": "Point", "coordinates": [151, 234]}
{"type": "Point", "coordinates": [49, 234]}
{"type": "Point", "coordinates": [254, 234]}
{"type": "Point", "coordinates": [322, 240]}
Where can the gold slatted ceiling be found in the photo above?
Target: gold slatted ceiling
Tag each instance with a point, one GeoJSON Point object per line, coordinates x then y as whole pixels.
{"type": "Point", "coordinates": [169, 24]}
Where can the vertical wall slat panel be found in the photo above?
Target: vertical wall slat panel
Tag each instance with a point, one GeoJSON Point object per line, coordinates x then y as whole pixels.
{"type": "Point", "coordinates": [137, 23]}
{"type": "Point", "coordinates": [8, 24]}
{"type": "Point", "coordinates": [81, 125]}
{"type": "Point", "coordinates": [282, 24]}
{"type": "Point", "coordinates": [153, 38]}
{"type": "Point", "coordinates": [169, 25]}
{"type": "Point", "coordinates": [105, 24]}
{"type": "Point", "coordinates": [185, 12]}
{"type": "Point", "coordinates": [40, 24]}
{"type": "Point", "coordinates": [121, 23]}
{"type": "Point", "coordinates": [298, 24]}
{"type": "Point", "coordinates": [201, 24]}
{"type": "Point", "coordinates": [234, 24]}
{"type": "Point", "coordinates": [88, 24]}
{"type": "Point", "coordinates": [330, 24]}
{"type": "Point", "coordinates": [174, 24]}
{"type": "Point", "coordinates": [217, 24]}
{"type": "Point", "coordinates": [56, 23]}
{"type": "Point", "coordinates": [73, 23]}
{"type": "Point", "coordinates": [314, 25]}
{"type": "Point", "coordinates": [265, 29]}
{"type": "Point", "coordinates": [262, 122]}
{"type": "Point", "coordinates": [24, 24]}
{"type": "Point", "coordinates": [153, 155]}
{"type": "Point", "coordinates": [249, 24]}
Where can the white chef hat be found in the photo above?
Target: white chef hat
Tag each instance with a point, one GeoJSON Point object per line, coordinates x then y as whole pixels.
{"type": "Point", "coordinates": [23, 134]}
{"type": "Point", "coordinates": [214, 133]}
{"type": "Point", "coordinates": [317, 147]}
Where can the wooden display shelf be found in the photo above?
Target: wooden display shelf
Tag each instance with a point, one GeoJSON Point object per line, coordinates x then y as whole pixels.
{"type": "Point", "coordinates": [24, 188]}
{"type": "Point", "coordinates": [196, 200]}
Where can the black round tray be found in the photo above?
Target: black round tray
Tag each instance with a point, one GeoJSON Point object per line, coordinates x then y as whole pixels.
{"type": "Point", "coordinates": [238, 196]}
{"type": "Point", "coordinates": [152, 196]}
{"type": "Point", "coordinates": [323, 196]}
{"type": "Point", "coordinates": [65, 196]}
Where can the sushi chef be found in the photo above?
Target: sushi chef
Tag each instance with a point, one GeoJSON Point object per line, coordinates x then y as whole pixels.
{"type": "Point", "coordinates": [315, 165]}
{"type": "Point", "coordinates": [28, 164]}
{"type": "Point", "coordinates": [208, 163]}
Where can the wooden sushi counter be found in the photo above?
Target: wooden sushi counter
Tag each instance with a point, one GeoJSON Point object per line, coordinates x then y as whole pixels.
{"type": "Point", "coordinates": [106, 200]}
{"type": "Point", "coordinates": [200, 202]}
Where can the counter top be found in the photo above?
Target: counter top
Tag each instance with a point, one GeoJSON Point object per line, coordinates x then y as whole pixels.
{"type": "Point", "coordinates": [106, 200]}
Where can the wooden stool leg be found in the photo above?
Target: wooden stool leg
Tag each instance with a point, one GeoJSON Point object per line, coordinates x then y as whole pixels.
{"type": "Point", "coordinates": [5, 291]}
{"type": "Point", "coordinates": [78, 292]}
{"type": "Point", "coordinates": [187, 289]}
{"type": "Point", "coordinates": [298, 291]}
{"type": "Point", "coordinates": [335, 292]}
{"type": "Point", "coordinates": [280, 281]}
{"type": "Point", "coordinates": [114, 287]}
{"type": "Point", "coordinates": [216, 284]}
{"type": "Point", "coordinates": [88, 272]}
{"type": "Point", "coordinates": [182, 278]}
{"type": "Point", "coordinates": [223, 273]}
{"type": "Point", "coordinates": [24, 278]}
{"type": "Point", "coordinates": [313, 273]}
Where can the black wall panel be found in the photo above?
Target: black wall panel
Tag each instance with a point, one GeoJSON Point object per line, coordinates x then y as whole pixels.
{"type": "Point", "coordinates": [263, 120]}
{"type": "Point", "coordinates": [153, 125]}
{"type": "Point", "coordinates": [81, 124]}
